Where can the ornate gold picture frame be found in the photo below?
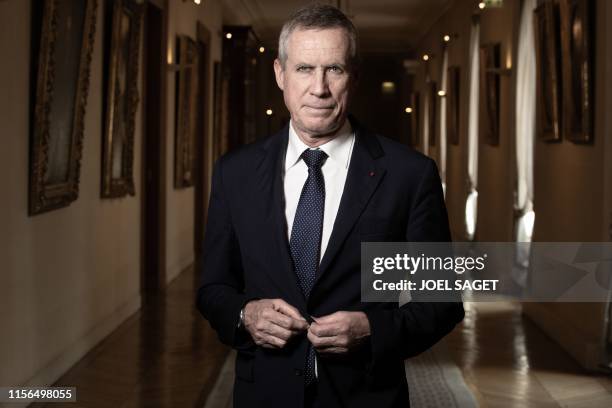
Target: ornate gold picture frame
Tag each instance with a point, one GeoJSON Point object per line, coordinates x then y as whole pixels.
{"type": "Point", "coordinates": [62, 52]}
{"type": "Point", "coordinates": [548, 92]}
{"type": "Point", "coordinates": [121, 99]}
{"type": "Point", "coordinates": [187, 109]}
{"type": "Point", "coordinates": [577, 41]}
{"type": "Point", "coordinates": [490, 88]}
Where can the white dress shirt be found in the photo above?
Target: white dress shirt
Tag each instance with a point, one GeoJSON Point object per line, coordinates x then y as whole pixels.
{"type": "Point", "coordinates": [335, 169]}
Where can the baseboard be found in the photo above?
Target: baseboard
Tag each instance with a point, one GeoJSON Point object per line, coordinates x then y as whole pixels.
{"type": "Point", "coordinates": [174, 272]}
{"type": "Point", "coordinates": [61, 364]}
{"type": "Point", "coordinates": [587, 352]}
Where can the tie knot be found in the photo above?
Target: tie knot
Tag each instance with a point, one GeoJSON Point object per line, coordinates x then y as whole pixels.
{"type": "Point", "coordinates": [314, 158]}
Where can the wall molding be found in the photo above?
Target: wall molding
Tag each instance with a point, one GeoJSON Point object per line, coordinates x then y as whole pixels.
{"type": "Point", "coordinates": [57, 367]}
{"type": "Point", "coordinates": [588, 352]}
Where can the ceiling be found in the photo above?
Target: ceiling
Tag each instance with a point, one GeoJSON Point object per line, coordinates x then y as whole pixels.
{"type": "Point", "coordinates": [383, 25]}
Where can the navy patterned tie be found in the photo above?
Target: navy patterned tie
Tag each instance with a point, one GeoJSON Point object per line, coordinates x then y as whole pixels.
{"type": "Point", "coordinates": [305, 243]}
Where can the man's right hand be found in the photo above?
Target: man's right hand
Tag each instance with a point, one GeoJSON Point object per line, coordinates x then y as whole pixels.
{"type": "Point", "coordinates": [272, 322]}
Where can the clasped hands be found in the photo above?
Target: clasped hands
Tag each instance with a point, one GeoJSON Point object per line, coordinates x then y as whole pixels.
{"type": "Point", "coordinates": [273, 322]}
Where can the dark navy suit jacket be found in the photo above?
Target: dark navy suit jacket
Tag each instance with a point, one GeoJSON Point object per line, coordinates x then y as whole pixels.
{"type": "Point", "coordinates": [392, 193]}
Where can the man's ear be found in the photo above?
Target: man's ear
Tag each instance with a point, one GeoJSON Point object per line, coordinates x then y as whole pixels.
{"type": "Point", "coordinates": [279, 73]}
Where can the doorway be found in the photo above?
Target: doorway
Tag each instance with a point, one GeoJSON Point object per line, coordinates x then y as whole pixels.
{"type": "Point", "coordinates": [203, 145]}
{"type": "Point", "coordinates": [153, 179]}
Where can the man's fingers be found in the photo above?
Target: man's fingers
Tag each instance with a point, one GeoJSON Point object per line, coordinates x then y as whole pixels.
{"type": "Point", "coordinates": [320, 342]}
{"type": "Point", "coordinates": [277, 331]}
{"type": "Point", "coordinates": [296, 322]}
{"type": "Point", "coordinates": [285, 308]}
{"type": "Point", "coordinates": [269, 341]}
{"type": "Point", "coordinates": [330, 318]}
{"type": "Point", "coordinates": [325, 330]}
{"type": "Point", "coordinates": [286, 322]}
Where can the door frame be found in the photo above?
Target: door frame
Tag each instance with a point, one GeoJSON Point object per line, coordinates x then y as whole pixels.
{"type": "Point", "coordinates": [153, 234]}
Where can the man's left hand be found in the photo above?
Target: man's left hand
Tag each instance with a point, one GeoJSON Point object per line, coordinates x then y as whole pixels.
{"type": "Point", "coordinates": [339, 332]}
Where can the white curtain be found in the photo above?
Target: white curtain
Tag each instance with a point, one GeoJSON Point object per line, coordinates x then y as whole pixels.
{"type": "Point", "coordinates": [525, 121]}
{"type": "Point", "coordinates": [471, 205]}
{"type": "Point", "coordinates": [442, 153]}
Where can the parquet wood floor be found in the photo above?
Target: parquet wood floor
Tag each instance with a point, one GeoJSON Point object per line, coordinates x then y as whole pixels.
{"type": "Point", "coordinates": [509, 362]}
{"type": "Point", "coordinates": [166, 355]}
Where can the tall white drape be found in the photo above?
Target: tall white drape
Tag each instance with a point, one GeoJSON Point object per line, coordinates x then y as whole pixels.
{"type": "Point", "coordinates": [471, 205]}
{"type": "Point", "coordinates": [442, 152]}
{"type": "Point", "coordinates": [525, 121]}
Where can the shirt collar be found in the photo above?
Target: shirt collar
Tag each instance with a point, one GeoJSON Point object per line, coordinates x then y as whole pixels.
{"type": "Point", "coordinates": [338, 149]}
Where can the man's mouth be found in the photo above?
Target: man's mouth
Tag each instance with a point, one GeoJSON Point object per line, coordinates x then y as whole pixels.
{"type": "Point", "coordinates": [320, 107]}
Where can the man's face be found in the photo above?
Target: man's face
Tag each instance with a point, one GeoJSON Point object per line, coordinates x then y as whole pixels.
{"type": "Point", "coordinates": [316, 80]}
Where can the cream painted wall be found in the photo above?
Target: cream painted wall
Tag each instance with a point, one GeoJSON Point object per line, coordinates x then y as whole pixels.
{"type": "Point", "coordinates": [495, 162]}
{"type": "Point", "coordinates": [69, 277]}
{"type": "Point", "coordinates": [572, 182]}
{"type": "Point", "coordinates": [180, 203]}
{"type": "Point", "coordinates": [571, 188]}
{"type": "Point", "coordinates": [454, 23]}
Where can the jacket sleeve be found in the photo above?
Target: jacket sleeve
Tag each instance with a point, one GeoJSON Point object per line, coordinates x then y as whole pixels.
{"type": "Point", "coordinates": [221, 295]}
{"type": "Point", "coordinates": [406, 331]}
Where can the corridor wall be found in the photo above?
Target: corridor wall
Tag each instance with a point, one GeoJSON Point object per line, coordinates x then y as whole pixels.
{"type": "Point", "coordinates": [495, 187]}
{"type": "Point", "coordinates": [572, 182]}
{"type": "Point", "coordinates": [69, 277]}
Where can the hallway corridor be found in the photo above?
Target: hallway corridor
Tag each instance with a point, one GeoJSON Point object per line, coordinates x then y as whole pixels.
{"type": "Point", "coordinates": [140, 136]}
{"type": "Point", "coordinates": [167, 356]}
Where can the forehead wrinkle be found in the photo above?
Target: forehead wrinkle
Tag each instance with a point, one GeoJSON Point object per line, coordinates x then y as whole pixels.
{"type": "Point", "coordinates": [301, 43]}
{"type": "Point", "coordinates": [318, 56]}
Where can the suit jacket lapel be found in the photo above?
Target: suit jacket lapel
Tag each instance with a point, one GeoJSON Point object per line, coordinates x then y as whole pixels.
{"type": "Point", "coordinates": [270, 192]}
{"type": "Point", "coordinates": [363, 177]}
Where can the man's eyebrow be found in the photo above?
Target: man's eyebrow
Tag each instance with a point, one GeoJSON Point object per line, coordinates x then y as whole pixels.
{"type": "Point", "coordinates": [333, 64]}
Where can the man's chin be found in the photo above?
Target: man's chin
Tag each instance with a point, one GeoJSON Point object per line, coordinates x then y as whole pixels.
{"type": "Point", "coordinates": [324, 129]}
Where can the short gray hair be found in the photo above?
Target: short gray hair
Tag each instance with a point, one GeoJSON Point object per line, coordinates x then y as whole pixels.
{"type": "Point", "coordinates": [318, 17]}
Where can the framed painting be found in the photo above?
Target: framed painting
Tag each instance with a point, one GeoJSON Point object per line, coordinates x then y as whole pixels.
{"type": "Point", "coordinates": [186, 111]}
{"type": "Point", "coordinates": [452, 95]}
{"type": "Point", "coordinates": [490, 60]}
{"type": "Point", "coordinates": [121, 99]}
{"type": "Point", "coordinates": [431, 112]}
{"type": "Point", "coordinates": [548, 91]}
{"type": "Point", "coordinates": [415, 103]}
{"type": "Point", "coordinates": [577, 41]}
{"type": "Point", "coordinates": [63, 39]}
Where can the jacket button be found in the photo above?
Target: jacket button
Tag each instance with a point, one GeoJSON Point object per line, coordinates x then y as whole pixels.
{"type": "Point", "coordinates": [298, 372]}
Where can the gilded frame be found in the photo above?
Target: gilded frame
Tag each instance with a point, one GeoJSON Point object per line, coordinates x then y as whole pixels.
{"type": "Point", "coordinates": [548, 92]}
{"type": "Point", "coordinates": [121, 99]}
{"type": "Point", "coordinates": [577, 41]}
{"type": "Point", "coordinates": [62, 58]}
{"type": "Point", "coordinates": [490, 89]}
{"type": "Point", "coordinates": [186, 111]}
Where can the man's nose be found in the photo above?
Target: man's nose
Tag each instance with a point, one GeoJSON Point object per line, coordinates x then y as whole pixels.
{"type": "Point", "coordinates": [319, 86]}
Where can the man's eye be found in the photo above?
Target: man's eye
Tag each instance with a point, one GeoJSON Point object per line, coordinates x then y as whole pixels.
{"type": "Point", "coordinates": [303, 69]}
{"type": "Point", "coordinates": [336, 70]}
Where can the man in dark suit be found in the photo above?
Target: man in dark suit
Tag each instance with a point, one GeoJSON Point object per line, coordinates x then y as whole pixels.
{"type": "Point", "coordinates": [281, 271]}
